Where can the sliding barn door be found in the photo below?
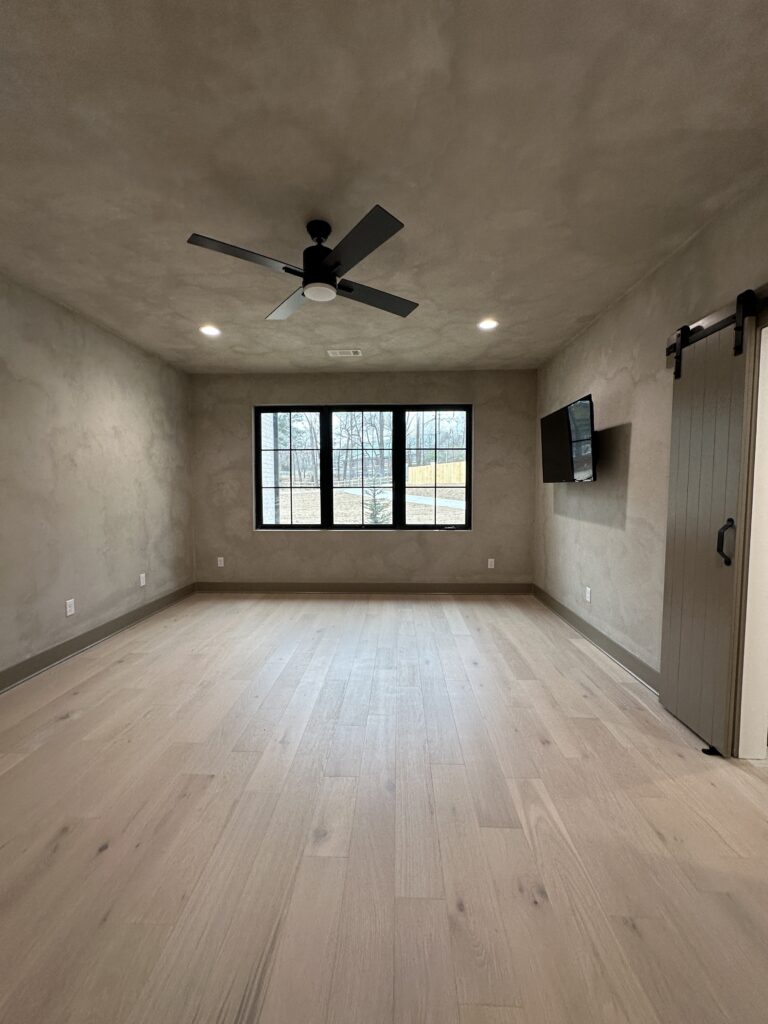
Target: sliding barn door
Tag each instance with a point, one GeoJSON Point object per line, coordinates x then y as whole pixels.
{"type": "Point", "coordinates": [702, 583]}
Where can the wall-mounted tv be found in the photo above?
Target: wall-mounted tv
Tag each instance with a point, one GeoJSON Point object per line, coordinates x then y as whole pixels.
{"type": "Point", "coordinates": [568, 443]}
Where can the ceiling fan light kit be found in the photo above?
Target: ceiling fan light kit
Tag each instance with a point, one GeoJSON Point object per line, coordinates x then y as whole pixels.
{"type": "Point", "coordinates": [322, 268]}
{"type": "Point", "coordinates": [318, 291]}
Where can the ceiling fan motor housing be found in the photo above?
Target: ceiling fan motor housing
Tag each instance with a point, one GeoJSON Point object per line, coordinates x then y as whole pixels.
{"type": "Point", "coordinates": [316, 273]}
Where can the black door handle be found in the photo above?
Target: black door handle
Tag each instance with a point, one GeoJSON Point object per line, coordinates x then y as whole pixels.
{"type": "Point", "coordinates": [729, 524]}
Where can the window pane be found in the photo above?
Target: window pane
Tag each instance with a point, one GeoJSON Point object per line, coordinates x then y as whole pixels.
{"type": "Point", "coordinates": [377, 506]}
{"type": "Point", "coordinates": [419, 429]}
{"type": "Point", "coordinates": [347, 429]}
{"type": "Point", "coordinates": [452, 467]}
{"type": "Point", "coordinates": [276, 506]}
{"type": "Point", "coordinates": [451, 506]}
{"type": "Point", "coordinates": [348, 467]}
{"type": "Point", "coordinates": [306, 506]}
{"type": "Point", "coordinates": [275, 430]}
{"type": "Point", "coordinates": [452, 429]}
{"type": "Point", "coordinates": [305, 468]}
{"type": "Point", "coordinates": [305, 430]}
{"type": "Point", "coordinates": [420, 467]}
{"type": "Point", "coordinates": [377, 429]}
{"type": "Point", "coordinates": [347, 508]}
{"type": "Point", "coordinates": [419, 505]}
{"type": "Point", "coordinates": [377, 468]}
{"type": "Point", "coordinates": [276, 469]}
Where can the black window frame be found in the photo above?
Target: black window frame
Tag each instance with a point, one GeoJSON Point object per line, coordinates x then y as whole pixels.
{"type": "Point", "coordinates": [326, 466]}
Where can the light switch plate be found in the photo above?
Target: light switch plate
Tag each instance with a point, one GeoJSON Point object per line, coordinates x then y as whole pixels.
{"type": "Point", "coordinates": [220, 561]}
{"type": "Point", "coordinates": [70, 606]}
{"type": "Point", "coordinates": [142, 579]}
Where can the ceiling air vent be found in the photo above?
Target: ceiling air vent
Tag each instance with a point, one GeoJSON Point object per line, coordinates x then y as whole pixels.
{"type": "Point", "coordinates": [344, 353]}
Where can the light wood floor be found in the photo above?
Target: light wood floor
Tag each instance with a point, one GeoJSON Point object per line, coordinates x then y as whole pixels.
{"type": "Point", "coordinates": [346, 810]}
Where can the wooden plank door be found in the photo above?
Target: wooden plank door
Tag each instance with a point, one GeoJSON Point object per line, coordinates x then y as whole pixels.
{"type": "Point", "coordinates": [698, 675]}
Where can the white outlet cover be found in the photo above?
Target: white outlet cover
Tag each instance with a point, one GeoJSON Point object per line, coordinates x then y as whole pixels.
{"type": "Point", "coordinates": [491, 563]}
{"type": "Point", "coordinates": [142, 579]}
{"type": "Point", "coordinates": [220, 561]}
{"type": "Point", "coordinates": [588, 594]}
{"type": "Point", "coordinates": [69, 607]}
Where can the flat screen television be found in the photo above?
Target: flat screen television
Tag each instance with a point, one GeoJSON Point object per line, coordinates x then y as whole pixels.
{"type": "Point", "coordinates": [568, 443]}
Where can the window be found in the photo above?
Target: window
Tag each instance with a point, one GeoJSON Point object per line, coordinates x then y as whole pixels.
{"type": "Point", "coordinates": [363, 467]}
{"type": "Point", "coordinates": [290, 468]}
{"type": "Point", "coordinates": [436, 467]}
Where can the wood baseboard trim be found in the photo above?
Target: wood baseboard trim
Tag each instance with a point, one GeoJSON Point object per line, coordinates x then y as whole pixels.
{"type": "Point", "coordinates": [230, 587]}
{"type": "Point", "coordinates": [68, 648]}
{"type": "Point", "coordinates": [647, 675]}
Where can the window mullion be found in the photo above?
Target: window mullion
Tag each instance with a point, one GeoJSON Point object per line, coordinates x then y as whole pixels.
{"type": "Point", "coordinates": [326, 469]}
{"type": "Point", "coordinates": [398, 467]}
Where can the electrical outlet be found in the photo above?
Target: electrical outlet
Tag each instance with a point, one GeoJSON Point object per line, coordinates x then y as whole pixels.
{"type": "Point", "coordinates": [491, 563]}
{"type": "Point", "coordinates": [70, 606]}
{"type": "Point", "coordinates": [220, 561]}
{"type": "Point", "coordinates": [588, 595]}
{"type": "Point", "coordinates": [142, 579]}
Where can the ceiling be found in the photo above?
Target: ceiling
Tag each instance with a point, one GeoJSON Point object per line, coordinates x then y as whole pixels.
{"type": "Point", "coordinates": [543, 155]}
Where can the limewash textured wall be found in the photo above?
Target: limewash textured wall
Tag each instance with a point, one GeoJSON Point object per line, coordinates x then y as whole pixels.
{"type": "Point", "coordinates": [94, 462]}
{"type": "Point", "coordinates": [611, 535]}
{"type": "Point", "coordinates": [503, 473]}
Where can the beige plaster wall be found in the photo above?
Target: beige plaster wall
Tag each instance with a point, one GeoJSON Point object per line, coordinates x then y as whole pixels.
{"type": "Point", "coordinates": [94, 461]}
{"type": "Point", "coordinates": [611, 535]}
{"type": "Point", "coordinates": [504, 427]}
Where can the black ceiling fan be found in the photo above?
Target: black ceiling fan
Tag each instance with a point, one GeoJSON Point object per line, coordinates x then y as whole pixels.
{"type": "Point", "coordinates": [323, 268]}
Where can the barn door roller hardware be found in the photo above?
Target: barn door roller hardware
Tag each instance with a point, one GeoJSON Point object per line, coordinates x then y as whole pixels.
{"type": "Point", "coordinates": [747, 305]}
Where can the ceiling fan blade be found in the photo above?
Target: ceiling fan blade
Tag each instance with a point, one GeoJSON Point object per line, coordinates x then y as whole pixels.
{"type": "Point", "coordinates": [373, 297]}
{"type": "Point", "coordinates": [243, 254]}
{"type": "Point", "coordinates": [294, 301]}
{"type": "Point", "coordinates": [368, 234]}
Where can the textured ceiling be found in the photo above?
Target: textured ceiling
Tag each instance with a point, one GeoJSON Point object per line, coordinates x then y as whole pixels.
{"type": "Point", "coordinates": [543, 156]}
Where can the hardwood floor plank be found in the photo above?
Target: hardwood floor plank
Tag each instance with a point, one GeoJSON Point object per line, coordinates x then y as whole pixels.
{"type": "Point", "coordinates": [418, 869]}
{"type": "Point", "coordinates": [331, 830]}
{"type": "Point", "coordinates": [363, 976]}
{"type": "Point", "coordinates": [673, 977]}
{"type": "Point", "coordinates": [615, 991]}
{"type": "Point", "coordinates": [539, 933]}
{"type": "Point", "coordinates": [481, 957]}
{"type": "Point", "coordinates": [301, 975]}
{"type": "Point", "coordinates": [346, 753]}
{"type": "Point", "coordinates": [425, 990]}
{"type": "Point", "coordinates": [484, 770]}
{"type": "Point", "coordinates": [379, 749]}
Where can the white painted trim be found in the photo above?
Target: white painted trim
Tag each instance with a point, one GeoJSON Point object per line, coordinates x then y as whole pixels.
{"type": "Point", "coordinates": [753, 722]}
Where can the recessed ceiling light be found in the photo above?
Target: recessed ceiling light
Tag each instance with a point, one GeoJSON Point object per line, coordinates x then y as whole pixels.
{"type": "Point", "coordinates": [210, 331]}
{"type": "Point", "coordinates": [489, 324]}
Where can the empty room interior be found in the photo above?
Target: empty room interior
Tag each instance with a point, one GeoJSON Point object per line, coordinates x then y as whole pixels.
{"type": "Point", "coordinates": [384, 513]}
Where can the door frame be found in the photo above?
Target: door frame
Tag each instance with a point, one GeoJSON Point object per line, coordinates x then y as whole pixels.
{"type": "Point", "coordinates": [753, 351]}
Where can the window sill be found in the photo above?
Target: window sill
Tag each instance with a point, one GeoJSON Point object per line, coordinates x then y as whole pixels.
{"type": "Point", "coordinates": [362, 529]}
